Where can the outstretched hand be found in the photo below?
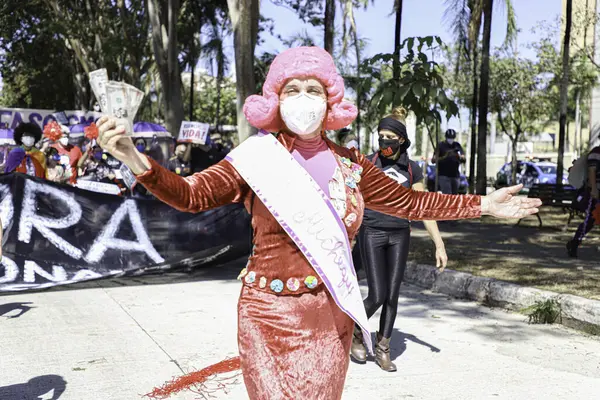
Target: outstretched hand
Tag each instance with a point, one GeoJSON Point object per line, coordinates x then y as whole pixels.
{"type": "Point", "coordinates": [504, 203]}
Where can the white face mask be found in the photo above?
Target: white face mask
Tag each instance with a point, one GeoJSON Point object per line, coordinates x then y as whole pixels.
{"type": "Point", "coordinates": [303, 113]}
{"type": "Point", "coordinates": [64, 141]}
{"type": "Point", "coordinates": [28, 141]}
{"type": "Point", "coordinates": [450, 141]}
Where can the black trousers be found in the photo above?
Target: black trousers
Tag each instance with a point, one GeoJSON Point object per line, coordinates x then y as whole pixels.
{"type": "Point", "coordinates": [384, 255]}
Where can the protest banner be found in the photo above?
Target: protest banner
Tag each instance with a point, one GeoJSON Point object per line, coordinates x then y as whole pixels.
{"type": "Point", "coordinates": [10, 118]}
{"type": "Point", "coordinates": [57, 234]}
{"type": "Point", "coordinates": [193, 132]}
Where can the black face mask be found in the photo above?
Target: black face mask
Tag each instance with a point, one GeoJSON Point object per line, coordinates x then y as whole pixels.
{"type": "Point", "coordinates": [389, 147]}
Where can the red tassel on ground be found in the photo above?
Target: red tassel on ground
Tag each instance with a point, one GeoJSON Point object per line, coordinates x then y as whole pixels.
{"type": "Point", "coordinates": [195, 381]}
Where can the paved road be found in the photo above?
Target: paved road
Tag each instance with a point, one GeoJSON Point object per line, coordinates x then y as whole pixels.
{"type": "Point", "coordinates": [116, 340]}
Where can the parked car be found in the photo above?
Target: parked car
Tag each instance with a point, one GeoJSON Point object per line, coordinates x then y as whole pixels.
{"type": "Point", "coordinates": [463, 187]}
{"type": "Point", "coordinates": [529, 173]}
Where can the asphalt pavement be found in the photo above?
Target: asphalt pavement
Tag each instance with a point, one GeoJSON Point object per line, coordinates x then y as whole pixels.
{"type": "Point", "coordinates": [117, 339]}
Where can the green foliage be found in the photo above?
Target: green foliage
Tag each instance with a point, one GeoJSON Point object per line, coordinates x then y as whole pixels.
{"type": "Point", "coordinates": [420, 87]}
{"type": "Point", "coordinates": [261, 68]}
{"type": "Point", "coordinates": [544, 312]}
{"type": "Point", "coordinates": [458, 76]}
{"type": "Point", "coordinates": [583, 73]}
{"type": "Point", "coordinates": [205, 101]}
{"type": "Point", "coordinates": [34, 64]}
{"type": "Point", "coordinates": [310, 11]}
{"type": "Point", "coordinates": [518, 93]}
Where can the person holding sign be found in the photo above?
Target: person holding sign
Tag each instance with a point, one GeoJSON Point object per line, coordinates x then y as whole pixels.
{"type": "Point", "coordinates": [300, 297]}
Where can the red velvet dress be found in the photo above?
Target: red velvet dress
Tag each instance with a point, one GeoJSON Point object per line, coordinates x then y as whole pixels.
{"type": "Point", "coordinates": [294, 342]}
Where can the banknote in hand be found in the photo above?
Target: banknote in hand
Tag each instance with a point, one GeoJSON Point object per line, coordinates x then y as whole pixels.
{"type": "Point", "coordinates": [98, 81]}
{"type": "Point", "coordinates": [118, 104]}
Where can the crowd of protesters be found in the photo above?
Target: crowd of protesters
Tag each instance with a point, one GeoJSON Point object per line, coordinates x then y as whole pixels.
{"type": "Point", "coordinates": [70, 160]}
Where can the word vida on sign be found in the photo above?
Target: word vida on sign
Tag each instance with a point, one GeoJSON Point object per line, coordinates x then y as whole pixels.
{"type": "Point", "coordinates": [193, 132]}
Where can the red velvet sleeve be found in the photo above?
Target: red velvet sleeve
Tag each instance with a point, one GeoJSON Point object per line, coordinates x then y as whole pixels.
{"type": "Point", "coordinates": [385, 195]}
{"type": "Point", "coordinates": [216, 186]}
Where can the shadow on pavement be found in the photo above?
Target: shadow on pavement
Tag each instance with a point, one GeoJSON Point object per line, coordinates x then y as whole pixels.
{"type": "Point", "coordinates": [10, 307]}
{"type": "Point", "coordinates": [45, 387]}
{"type": "Point", "coordinates": [399, 342]}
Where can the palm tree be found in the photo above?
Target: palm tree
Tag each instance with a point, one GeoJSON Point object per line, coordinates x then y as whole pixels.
{"type": "Point", "coordinates": [329, 25]}
{"type": "Point", "coordinates": [214, 52]}
{"type": "Point", "coordinates": [564, 91]}
{"type": "Point", "coordinates": [244, 16]}
{"type": "Point", "coordinates": [397, 38]}
{"type": "Point", "coordinates": [350, 34]}
{"type": "Point", "coordinates": [465, 18]}
{"type": "Point", "coordinates": [484, 89]}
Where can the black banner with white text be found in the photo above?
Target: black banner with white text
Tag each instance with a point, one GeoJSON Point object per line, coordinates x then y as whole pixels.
{"type": "Point", "coordinates": [58, 234]}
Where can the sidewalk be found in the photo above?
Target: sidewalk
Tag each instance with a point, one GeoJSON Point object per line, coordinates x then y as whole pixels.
{"type": "Point", "coordinates": [116, 340]}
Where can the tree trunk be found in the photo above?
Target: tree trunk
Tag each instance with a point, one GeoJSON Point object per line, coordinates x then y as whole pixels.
{"type": "Point", "coordinates": [493, 133]}
{"type": "Point", "coordinates": [192, 91]}
{"type": "Point", "coordinates": [397, 39]}
{"type": "Point", "coordinates": [577, 139]}
{"type": "Point", "coordinates": [483, 100]}
{"type": "Point", "coordinates": [358, 93]}
{"type": "Point", "coordinates": [564, 87]}
{"type": "Point", "coordinates": [244, 19]}
{"type": "Point", "coordinates": [163, 18]}
{"type": "Point", "coordinates": [329, 25]}
{"type": "Point", "coordinates": [437, 155]}
{"type": "Point", "coordinates": [218, 113]}
{"type": "Point", "coordinates": [513, 162]}
{"type": "Point", "coordinates": [474, 104]}
{"type": "Point", "coordinates": [424, 144]}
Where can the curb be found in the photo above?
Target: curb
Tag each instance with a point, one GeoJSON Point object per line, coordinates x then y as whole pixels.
{"type": "Point", "coordinates": [577, 312]}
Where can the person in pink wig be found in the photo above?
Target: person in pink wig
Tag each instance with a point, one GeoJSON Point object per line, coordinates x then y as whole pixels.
{"type": "Point", "coordinates": [300, 298]}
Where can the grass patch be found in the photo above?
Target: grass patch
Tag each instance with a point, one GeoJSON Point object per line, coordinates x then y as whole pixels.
{"type": "Point", "coordinates": [544, 312]}
{"type": "Point", "coordinates": [525, 255]}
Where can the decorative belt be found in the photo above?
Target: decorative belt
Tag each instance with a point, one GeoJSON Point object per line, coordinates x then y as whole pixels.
{"type": "Point", "coordinates": [276, 285]}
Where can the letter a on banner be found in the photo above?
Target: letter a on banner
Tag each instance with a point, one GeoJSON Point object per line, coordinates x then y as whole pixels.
{"type": "Point", "coordinates": [107, 240]}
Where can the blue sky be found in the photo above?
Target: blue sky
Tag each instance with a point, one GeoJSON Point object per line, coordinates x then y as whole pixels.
{"type": "Point", "coordinates": [420, 18]}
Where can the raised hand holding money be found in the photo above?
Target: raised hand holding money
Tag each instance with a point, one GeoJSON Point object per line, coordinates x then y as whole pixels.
{"type": "Point", "coordinates": [112, 137]}
{"type": "Point", "coordinates": [116, 98]}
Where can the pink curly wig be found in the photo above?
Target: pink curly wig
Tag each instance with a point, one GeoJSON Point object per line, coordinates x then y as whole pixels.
{"type": "Point", "coordinates": [301, 62]}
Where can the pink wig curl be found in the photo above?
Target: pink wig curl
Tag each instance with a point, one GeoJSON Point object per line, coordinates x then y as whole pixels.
{"type": "Point", "coordinates": [301, 62]}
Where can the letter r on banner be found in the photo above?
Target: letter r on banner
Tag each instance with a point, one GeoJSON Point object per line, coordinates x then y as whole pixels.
{"type": "Point", "coordinates": [45, 225]}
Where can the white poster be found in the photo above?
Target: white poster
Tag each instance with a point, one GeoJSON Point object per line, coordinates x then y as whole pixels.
{"type": "Point", "coordinates": [98, 187]}
{"type": "Point", "coordinates": [193, 132]}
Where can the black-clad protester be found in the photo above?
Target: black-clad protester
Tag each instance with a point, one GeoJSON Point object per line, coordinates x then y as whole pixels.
{"type": "Point", "coordinates": [383, 240]}
{"type": "Point", "coordinates": [451, 155]}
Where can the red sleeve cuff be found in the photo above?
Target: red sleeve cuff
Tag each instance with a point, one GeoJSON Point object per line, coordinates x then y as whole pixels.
{"type": "Point", "coordinates": [147, 176]}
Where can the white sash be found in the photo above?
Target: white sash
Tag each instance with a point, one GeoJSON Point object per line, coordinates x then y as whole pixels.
{"type": "Point", "coordinates": [306, 214]}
